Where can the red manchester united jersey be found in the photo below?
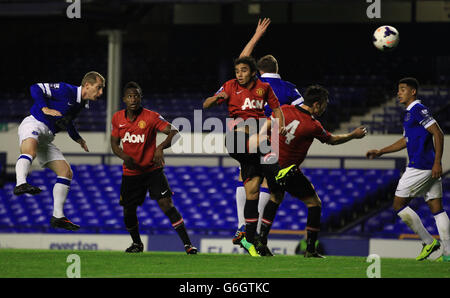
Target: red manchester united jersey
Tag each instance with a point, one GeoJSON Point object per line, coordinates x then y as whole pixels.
{"type": "Point", "coordinates": [138, 138]}
{"type": "Point", "coordinates": [248, 103]}
{"type": "Point", "coordinates": [302, 128]}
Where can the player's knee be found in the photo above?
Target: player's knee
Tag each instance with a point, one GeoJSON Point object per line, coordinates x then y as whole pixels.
{"type": "Point", "coordinates": [28, 152]}
{"type": "Point", "coordinates": [61, 168]}
{"type": "Point", "coordinates": [312, 201]}
{"type": "Point", "coordinates": [67, 172]}
{"type": "Point", "coordinates": [399, 203]}
{"type": "Point", "coordinates": [396, 206]}
{"type": "Point", "coordinates": [165, 204]}
{"type": "Point", "coordinates": [435, 205]}
{"type": "Point", "coordinates": [277, 197]}
{"type": "Point", "coordinates": [70, 173]}
{"type": "Point", "coordinates": [29, 146]}
{"type": "Point", "coordinates": [252, 189]}
{"type": "Point", "coordinates": [252, 193]}
{"type": "Point", "coordinates": [264, 183]}
{"type": "Point", "coordinates": [317, 202]}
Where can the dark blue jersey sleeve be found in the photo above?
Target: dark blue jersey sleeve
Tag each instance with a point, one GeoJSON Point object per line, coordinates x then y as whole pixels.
{"type": "Point", "coordinates": [422, 115]}
{"type": "Point", "coordinates": [40, 95]}
{"type": "Point", "coordinates": [72, 131]}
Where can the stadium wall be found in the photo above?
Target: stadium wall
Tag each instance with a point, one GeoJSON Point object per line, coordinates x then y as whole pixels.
{"type": "Point", "coordinates": [200, 144]}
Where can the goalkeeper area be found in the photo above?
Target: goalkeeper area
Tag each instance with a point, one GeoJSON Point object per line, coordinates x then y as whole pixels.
{"type": "Point", "coordinates": [26, 263]}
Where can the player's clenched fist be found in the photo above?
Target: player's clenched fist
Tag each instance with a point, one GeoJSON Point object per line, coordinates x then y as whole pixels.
{"type": "Point", "coordinates": [130, 163]}
{"type": "Point", "coordinates": [283, 130]}
{"type": "Point", "coordinates": [360, 132]}
{"type": "Point", "coordinates": [371, 154]}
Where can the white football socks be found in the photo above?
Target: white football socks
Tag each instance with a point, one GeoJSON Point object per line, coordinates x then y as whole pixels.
{"type": "Point", "coordinates": [23, 166]}
{"type": "Point", "coordinates": [413, 221]}
{"type": "Point", "coordinates": [264, 197]}
{"type": "Point", "coordinates": [240, 203]}
{"type": "Point", "coordinates": [60, 192]}
{"type": "Point", "coordinates": [443, 227]}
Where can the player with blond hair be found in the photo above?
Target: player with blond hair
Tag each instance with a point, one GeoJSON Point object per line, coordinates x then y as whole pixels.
{"type": "Point", "coordinates": [55, 107]}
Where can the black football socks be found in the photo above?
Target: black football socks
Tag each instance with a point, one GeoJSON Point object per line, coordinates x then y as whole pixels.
{"type": "Point", "coordinates": [131, 223]}
{"type": "Point", "coordinates": [312, 227]}
{"type": "Point", "coordinates": [178, 224]}
{"type": "Point", "coordinates": [251, 216]}
{"type": "Point", "coordinates": [267, 219]}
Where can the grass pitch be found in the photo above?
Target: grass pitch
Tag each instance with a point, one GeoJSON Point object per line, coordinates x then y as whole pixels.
{"type": "Point", "coordinates": [25, 263]}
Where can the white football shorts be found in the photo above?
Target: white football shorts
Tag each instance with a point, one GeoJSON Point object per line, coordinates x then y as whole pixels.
{"type": "Point", "coordinates": [46, 151]}
{"type": "Point", "coordinates": [419, 183]}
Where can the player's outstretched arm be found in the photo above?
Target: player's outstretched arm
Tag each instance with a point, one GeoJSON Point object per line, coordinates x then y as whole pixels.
{"type": "Point", "coordinates": [438, 137]}
{"type": "Point", "coordinates": [357, 133]}
{"type": "Point", "coordinates": [260, 30]}
{"type": "Point", "coordinates": [397, 146]}
{"type": "Point", "coordinates": [213, 100]}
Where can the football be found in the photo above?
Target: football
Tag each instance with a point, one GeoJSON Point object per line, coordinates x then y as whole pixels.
{"type": "Point", "coordinates": [386, 38]}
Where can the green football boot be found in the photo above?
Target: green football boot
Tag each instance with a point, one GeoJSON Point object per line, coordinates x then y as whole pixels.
{"type": "Point", "coordinates": [262, 249]}
{"type": "Point", "coordinates": [283, 174]}
{"type": "Point", "coordinates": [249, 247]}
{"type": "Point", "coordinates": [443, 259]}
{"type": "Point", "coordinates": [428, 249]}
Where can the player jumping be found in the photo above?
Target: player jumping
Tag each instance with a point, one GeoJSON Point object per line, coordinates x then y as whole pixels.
{"type": "Point", "coordinates": [245, 96]}
{"type": "Point", "coordinates": [302, 128]}
{"type": "Point", "coordinates": [55, 107]}
{"type": "Point", "coordinates": [286, 93]}
{"type": "Point", "coordinates": [143, 163]}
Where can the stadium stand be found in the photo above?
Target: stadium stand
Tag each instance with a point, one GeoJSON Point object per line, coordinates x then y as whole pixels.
{"type": "Point", "coordinates": [205, 197]}
{"type": "Point", "coordinates": [390, 120]}
{"type": "Point", "coordinates": [173, 105]}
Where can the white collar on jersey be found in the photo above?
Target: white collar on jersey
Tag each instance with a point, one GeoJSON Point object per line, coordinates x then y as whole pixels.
{"type": "Point", "coordinates": [79, 94]}
{"type": "Point", "coordinates": [412, 104]}
{"type": "Point", "coordinates": [271, 75]}
{"type": "Point", "coordinates": [79, 98]}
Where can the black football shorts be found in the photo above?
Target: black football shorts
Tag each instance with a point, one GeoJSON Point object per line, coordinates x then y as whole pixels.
{"type": "Point", "coordinates": [249, 162]}
{"type": "Point", "coordinates": [134, 188]}
{"type": "Point", "coordinates": [299, 186]}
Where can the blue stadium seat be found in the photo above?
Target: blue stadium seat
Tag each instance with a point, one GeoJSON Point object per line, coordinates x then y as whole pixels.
{"type": "Point", "coordinates": [205, 196]}
{"type": "Point", "coordinates": [387, 222]}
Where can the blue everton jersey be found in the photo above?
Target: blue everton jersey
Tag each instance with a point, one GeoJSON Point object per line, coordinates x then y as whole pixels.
{"type": "Point", "coordinates": [286, 92]}
{"type": "Point", "coordinates": [62, 97]}
{"type": "Point", "coordinates": [419, 142]}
